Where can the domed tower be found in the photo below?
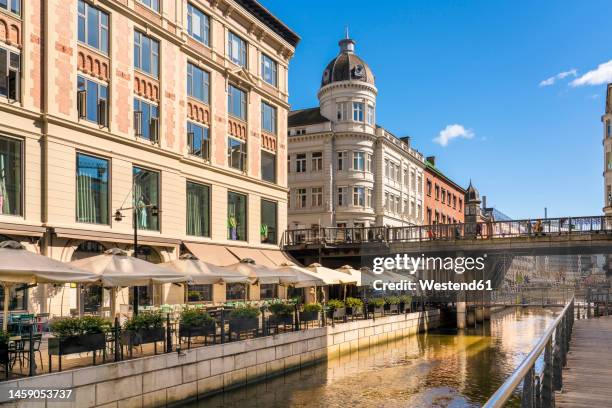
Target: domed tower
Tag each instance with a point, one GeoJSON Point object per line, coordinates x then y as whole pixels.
{"type": "Point", "coordinates": [348, 95]}
{"type": "Point", "coordinates": [472, 205]}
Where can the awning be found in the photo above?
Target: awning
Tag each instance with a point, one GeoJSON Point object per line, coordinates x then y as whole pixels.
{"type": "Point", "coordinates": [279, 257]}
{"type": "Point", "coordinates": [254, 254]}
{"type": "Point", "coordinates": [21, 230]}
{"type": "Point", "coordinates": [214, 254]}
{"type": "Point", "coordinates": [89, 235]}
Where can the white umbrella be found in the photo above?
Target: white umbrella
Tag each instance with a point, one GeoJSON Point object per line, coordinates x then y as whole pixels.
{"type": "Point", "coordinates": [300, 277]}
{"type": "Point", "coordinates": [368, 277]}
{"type": "Point", "coordinates": [202, 272]}
{"type": "Point", "coordinates": [260, 273]}
{"type": "Point", "coordinates": [330, 276]}
{"type": "Point", "coordinates": [352, 272]}
{"type": "Point", "coordinates": [17, 265]}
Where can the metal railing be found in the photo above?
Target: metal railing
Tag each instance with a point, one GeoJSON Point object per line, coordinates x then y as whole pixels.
{"type": "Point", "coordinates": [538, 388]}
{"type": "Point", "coordinates": [451, 232]}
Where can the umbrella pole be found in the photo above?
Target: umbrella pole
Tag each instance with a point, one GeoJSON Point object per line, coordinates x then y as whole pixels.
{"type": "Point", "coordinates": [6, 307]}
{"type": "Point", "coordinates": [344, 292]}
{"type": "Point", "coordinates": [113, 302]}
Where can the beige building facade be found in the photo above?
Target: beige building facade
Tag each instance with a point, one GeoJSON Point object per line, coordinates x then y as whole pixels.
{"type": "Point", "coordinates": [176, 107]}
{"type": "Point", "coordinates": [344, 169]}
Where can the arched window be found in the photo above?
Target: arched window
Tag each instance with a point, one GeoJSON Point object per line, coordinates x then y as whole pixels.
{"type": "Point", "coordinates": [87, 249]}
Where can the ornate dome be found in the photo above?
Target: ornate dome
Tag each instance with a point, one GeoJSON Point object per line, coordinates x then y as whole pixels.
{"type": "Point", "coordinates": [347, 66]}
{"type": "Point", "coordinates": [471, 194]}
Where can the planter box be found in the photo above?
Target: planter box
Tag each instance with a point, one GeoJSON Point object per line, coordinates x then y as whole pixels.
{"type": "Point", "coordinates": [309, 316]}
{"type": "Point", "coordinates": [392, 308]}
{"type": "Point", "coordinates": [337, 313]}
{"type": "Point", "coordinates": [354, 311]}
{"type": "Point", "coordinates": [143, 336]}
{"type": "Point", "coordinates": [404, 307]}
{"type": "Point", "coordinates": [197, 331]}
{"type": "Point", "coordinates": [375, 309]}
{"type": "Point", "coordinates": [242, 324]}
{"type": "Point", "coordinates": [281, 320]}
{"type": "Point", "coordinates": [76, 344]}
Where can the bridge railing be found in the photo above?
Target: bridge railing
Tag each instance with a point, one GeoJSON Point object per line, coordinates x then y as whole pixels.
{"type": "Point", "coordinates": [538, 388]}
{"type": "Point", "coordinates": [450, 232]}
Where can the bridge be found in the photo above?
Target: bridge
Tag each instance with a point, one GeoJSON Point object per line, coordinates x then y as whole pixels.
{"type": "Point", "coordinates": [501, 241]}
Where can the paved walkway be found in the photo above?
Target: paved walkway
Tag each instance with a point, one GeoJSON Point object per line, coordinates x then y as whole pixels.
{"type": "Point", "coordinates": [587, 379]}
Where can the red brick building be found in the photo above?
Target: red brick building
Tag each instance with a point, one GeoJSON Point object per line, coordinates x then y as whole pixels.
{"type": "Point", "coordinates": [444, 199]}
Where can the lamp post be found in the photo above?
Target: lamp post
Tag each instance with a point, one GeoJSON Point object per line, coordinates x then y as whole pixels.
{"type": "Point", "coordinates": [136, 208]}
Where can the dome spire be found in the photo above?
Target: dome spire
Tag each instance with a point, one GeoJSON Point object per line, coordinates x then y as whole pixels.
{"type": "Point", "coordinates": [347, 45]}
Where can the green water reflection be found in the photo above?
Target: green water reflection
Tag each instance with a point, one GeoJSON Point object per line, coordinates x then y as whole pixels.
{"type": "Point", "coordinates": [428, 370]}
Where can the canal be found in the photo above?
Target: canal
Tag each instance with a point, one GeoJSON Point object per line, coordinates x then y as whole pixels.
{"type": "Point", "coordinates": [436, 369]}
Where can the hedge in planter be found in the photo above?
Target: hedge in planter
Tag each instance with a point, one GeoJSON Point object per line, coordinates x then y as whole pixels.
{"type": "Point", "coordinates": [354, 306]}
{"type": "Point", "coordinates": [336, 309]}
{"type": "Point", "coordinates": [310, 312]}
{"type": "Point", "coordinates": [392, 304]}
{"type": "Point", "coordinates": [405, 303]}
{"type": "Point", "coordinates": [78, 335]}
{"type": "Point", "coordinates": [244, 319]}
{"type": "Point", "coordinates": [282, 314]}
{"type": "Point", "coordinates": [145, 327]}
{"type": "Point", "coordinates": [196, 323]}
{"type": "Point", "coordinates": [376, 305]}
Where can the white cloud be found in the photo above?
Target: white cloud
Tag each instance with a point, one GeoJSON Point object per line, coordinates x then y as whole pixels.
{"type": "Point", "coordinates": [451, 132]}
{"type": "Point", "coordinates": [560, 75]}
{"type": "Point", "coordinates": [600, 75]}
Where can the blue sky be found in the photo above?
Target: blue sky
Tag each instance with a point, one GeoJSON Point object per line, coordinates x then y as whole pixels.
{"type": "Point", "coordinates": [482, 65]}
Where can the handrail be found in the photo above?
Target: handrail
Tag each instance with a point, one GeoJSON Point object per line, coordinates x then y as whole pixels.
{"type": "Point", "coordinates": [525, 370]}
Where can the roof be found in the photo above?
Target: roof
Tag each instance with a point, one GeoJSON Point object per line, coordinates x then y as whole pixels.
{"type": "Point", "coordinates": [266, 17]}
{"type": "Point", "coordinates": [347, 66]}
{"type": "Point", "coordinates": [441, 175]}
{"type": "Point", "coordinates": [304, 117]}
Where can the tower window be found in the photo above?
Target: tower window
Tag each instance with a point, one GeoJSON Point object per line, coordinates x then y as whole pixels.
{"type": "Point", "coordinates": [358, 111]}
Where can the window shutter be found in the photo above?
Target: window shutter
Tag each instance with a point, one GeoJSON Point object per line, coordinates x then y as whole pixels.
{"type": "Point", "coordinates": [103, 112]}
{"type": "Point", "coordinates": [154, 130]}
{"type": "Point", "coordinates": [138, 123]}
{"type": "Point", "coordinates": [82, 104]}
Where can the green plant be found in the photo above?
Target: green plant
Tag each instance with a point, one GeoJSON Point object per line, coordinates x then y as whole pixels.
{"type": "Point", "coordinates": [377, 302]}
{"type": "Point", "coordinates": [245, 312]}
{"type": "Point", "coordinates": [281, 309]}
{"type": "Point", "coordinates": [312, 307]}
{"type": "Point", "coordinates": [194, 296]}
{"type": "Point", "coordinates": [145, 320]}
{"type": "Point", "coordinates": [353, 302]}
{"type": "Point", "coordinates": [78, 326]}
{"type": "Point", "coordinates": [335, 304]}
{"type": "Point", "coordinates": [392, 300]}
{"type": "Point", "coordinates": [192, 317]}
{"type": "Point", "coordinates": [406, 299]}
{"type": "Point", "coordinates": [4, 337]}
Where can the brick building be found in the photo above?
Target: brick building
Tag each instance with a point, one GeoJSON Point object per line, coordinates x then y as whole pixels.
{"type": "Point", "coordinates": [444, 199]}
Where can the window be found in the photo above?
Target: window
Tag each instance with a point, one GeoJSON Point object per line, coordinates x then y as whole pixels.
{"type": "Point", "coordinates": [369, 198]}
{"type": "Point", "coordinates": [268, 70]}
{"type": "Point", "coordinates": [236, 49]}
{"type": "Point", "coordinates": [92, 101]}
{"type": "Point", "coordinates": [198, 210]}
{"type": "Point", "coordinates": [412, 209]}
{"type": "Point", "coordinates": [268, 222]}
{"type": "Point", "coordinates": [301, 198]}
{"type": "Point", "coordinates": [342, 191]}
{"type": "Point", "coordinates": [370, 116]}
{"type": "Point", "coordinates": [268, 118]}
{"type": "Point", "coordinates": [609, 160]}
{"type": "Point", "coordinates": [199, 293]}
{"type": "Point", "coordinates": [454, 201]}
{"type": "Point", "coordinates": [93, 26]}
{"type": "Point", "coordinates": [236, 102]}
{"type": "Point", "coordinates": [419, 211]}
{"type": "Point", "coordinates": [236, 154]}
{"type": "Point", "coordinates": [317, 161]}
{"type": "Point", "coordinates": [316, 197]}
{"type": "Point", "coordinates": [92, 189]}
{"type": "Point", "coordinates": [14, 6]}
{"type": "Point", "coordinates": [268, 291]}
{"type": "Point", "coordinates": [443, 196]}
{"type": "Point", "coordinates": [437, 190]}
{"type": "Point", "coordinates": [268, 166]}
{"type": "Point", "coordinates": [359, 161]}
{"type": "Point", "coordinates": [397, 205]}
{"type": "Point", "coordinates": [406, 206]}
{"type": "Point", "coordinates": [198, 141]}
{"type": "Point", "coordinates": [198, 83]}
{"type": "Point", "coordinates": [387, 203]}
{"type": "Point", "coordinates": [300, 163]}
{"type": "Point", "coordinates": [235, 291]}
{"type": "Point", "coordinates": [343, 111]}
{"type": "Point", "coordinates": [608, 128]}
{"type": "Point", "coordinates": [146, 54]}
{"type": "Point", "coordinates": [413, 185]}
{"type": "Point", "coordinates": [342, 160]}
{"type": "Point", "coordinates": [428, 187]}
{"type": "Point", "coordinates": [359, 196]}
{"type": "Point", "coordinates": [146, 120]}
{"type": "Point", "coordinates": [146, 198]}
{"type": "Point", "coordinates": [9, 73]}
{"type": "Point", "coordinates": [387, 169]}
{"type": "Point", "coordinates": [420, 184]}
{"type": "Point", "coordinates": [460, 205]}
{"type": "Point", "coordinates": [10, 176]}
{"type": "Point", "coordinates": [358, 111]}
{"type": "Point", "coordinates": [198, 25]}
{"type": "Point", "coordinates": [18, 294]}
{"type": "Point", "coordinates": [406, 178]}
{"type": "Point", "coordinates": [154, 4]}
{"type": "Point", "coordinates": [236, 216]}
{"type": "Point", "coordinates": [369, 163]}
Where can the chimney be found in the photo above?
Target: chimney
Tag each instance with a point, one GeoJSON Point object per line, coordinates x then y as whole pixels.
{"type": "Point", "coordinates": [484, 201]}
{"type": "Point", "coordinates": [405, 139]}
{"type": "Point", "coordinates": [432, 160]}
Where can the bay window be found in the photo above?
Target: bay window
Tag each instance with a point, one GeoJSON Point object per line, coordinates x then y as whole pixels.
{"type": "Point", "coordinates": [359, 196]}
{"type": "Point", "coordinates": [342, 161]}
{"type": "Point", "coordinates": [10, 176]}
{"type": "Point", "coordinates": [370, 115]}
{"type": "Point", "coordinates": [358, 111]}
{"type": "Point", "coordinates": [236, 216]}
{"type": "Point", "coordinates": [92, 200]}
{"type": "Point", "coordinates": [359, 161]}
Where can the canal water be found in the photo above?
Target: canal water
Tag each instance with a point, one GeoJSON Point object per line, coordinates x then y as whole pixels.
{"type": "Point", "coordinates": [436, 369]}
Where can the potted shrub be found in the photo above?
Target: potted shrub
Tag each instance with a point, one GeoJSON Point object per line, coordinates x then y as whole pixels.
{"type": "Point", "coordinates": [336, 309]}
{"type": "Point", "coordinates": [145, 327]}
{"type": "Point", "coordinates": [282, 314]}
{"type": "Point", "coordinates": [354, 306]}
{"type": "Point", "coordinates": [244, 318]}
{"type": "Point", "coordinates": [405, 303]}
{"type": "Point", "coordinates": [196, 323]}
{"type": "Point", "coordinates": [392, 304]}
{"type": "Point", "coordinates": [310, 312]}
{"type": "Point", "coordinates": [77, 335]}
{"type": "Point", "coordinates": [376, 305]}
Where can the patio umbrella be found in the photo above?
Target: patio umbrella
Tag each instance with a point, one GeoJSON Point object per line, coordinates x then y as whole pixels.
{"type": "Point", "coordinates": [352, 272]}
{"type": "Point", "coordinates": [260, 273]}
{"type": "Point", "coordinates": [18, 265]}
{"type": "Point", "coordinates": [330, 276]}
{"type": "Point", "coordinates": [368, 277]}
{"type": "Point", "coordinates": [300, 277]}
{"type": "Point", "coordinates": [202, 272]}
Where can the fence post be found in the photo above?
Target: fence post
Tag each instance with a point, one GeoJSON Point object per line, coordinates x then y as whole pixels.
{"type": "Point", "coordinates": [296, 315]}
{"type": "Point", "coordinates": [547, 384]}
{"type": "Point", "coordinates": [116, 339]}
{"type": "Point", "coordinates": [222, 325]}
{"type": "Point", "coordinates": [168, 335]}
{"type": "Point", "coordinates": [527, 398]}
{"type": "Point", "coordinates": [32, 370]}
